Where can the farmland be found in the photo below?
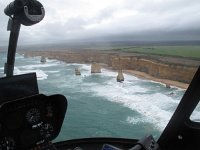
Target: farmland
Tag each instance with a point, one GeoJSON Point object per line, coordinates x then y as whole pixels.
{"type": "Point", "coordinates": [192, 51]}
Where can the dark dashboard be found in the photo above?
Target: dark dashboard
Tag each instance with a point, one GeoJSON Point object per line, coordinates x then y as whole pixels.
{"type": "Point", "coordinates": [31, 121]}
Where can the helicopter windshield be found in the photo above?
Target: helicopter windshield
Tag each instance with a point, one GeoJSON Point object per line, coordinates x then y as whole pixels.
{"type": "Point", "coordinates": [123, 66]}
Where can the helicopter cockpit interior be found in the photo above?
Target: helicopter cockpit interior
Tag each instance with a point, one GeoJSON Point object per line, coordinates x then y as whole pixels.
{"type": "Point", "coordinates": [31, 120]}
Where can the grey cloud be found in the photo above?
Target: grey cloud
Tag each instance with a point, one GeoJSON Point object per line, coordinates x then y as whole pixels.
{"type": "Point", "coordinates": [170, 19]}
{"type": "Point", "coordinates": [104, 14]}
{"type": "Point", "coordinates": [162, 7]}
{"type": "Point", "coordinates": [75, 23]}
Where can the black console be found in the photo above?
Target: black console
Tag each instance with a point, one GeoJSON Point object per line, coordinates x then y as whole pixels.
{"type": "Point", "coordinates": [146, 143]}
{"type": "Point", "coordinates": [31, 122]}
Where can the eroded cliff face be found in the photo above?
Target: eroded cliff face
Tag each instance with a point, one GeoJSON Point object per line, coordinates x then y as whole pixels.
{"type": "Point", "coordinates": [159, 70]}
{"type": "Point", "coordinates": [155, 68]}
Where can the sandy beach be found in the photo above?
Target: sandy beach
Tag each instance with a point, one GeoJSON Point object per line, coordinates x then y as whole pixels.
{"type": "Point", "coordinates": [163, 81]}
{"type": "Point", "coordinates": [146, 76]}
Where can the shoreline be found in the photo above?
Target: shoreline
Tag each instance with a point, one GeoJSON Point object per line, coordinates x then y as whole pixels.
{"type": "Point", "coordinates": [147, 68]}
{"type": "Point", "coordinates": [146, 76]}
{"type": "Point", "coordinates": [143, 75]}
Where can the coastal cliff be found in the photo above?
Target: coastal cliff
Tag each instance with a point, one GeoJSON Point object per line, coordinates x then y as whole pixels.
{"type": "Point", "coordinates": [152, 66]}
{"type": "Point", "coordinates": [156, 69]}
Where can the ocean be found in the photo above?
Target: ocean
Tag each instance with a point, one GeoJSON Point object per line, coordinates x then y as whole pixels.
{"type": "Point", "coordinates": [98, 106]}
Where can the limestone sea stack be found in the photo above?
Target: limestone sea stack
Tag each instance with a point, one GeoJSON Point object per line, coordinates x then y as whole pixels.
{"type": "Point", "coordinates": [120, 76]}
{"type": "Point", "coordinates": [43, 59]}
{"type": "Point", "coordinates": [95, 68]}
{"type": "Point", "coordinates": [77, 72]}
{"type": "Point", "coordinates": [168, 86]}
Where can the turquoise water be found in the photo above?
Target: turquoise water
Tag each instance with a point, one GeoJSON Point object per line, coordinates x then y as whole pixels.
{"type": "Point", "coordinates": [98, 106]}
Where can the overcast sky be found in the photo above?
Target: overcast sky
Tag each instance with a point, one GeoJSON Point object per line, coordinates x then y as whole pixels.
{"type": "Point", "coordinates": [111, 19]}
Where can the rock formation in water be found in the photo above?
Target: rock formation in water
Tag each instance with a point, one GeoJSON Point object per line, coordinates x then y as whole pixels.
{"type": "Point", "coordinates": [120, 76]}
{"type": "Point", "coordinates": [168, 86]}
{"type": "Point", "coordinates": [43, 59]}
{"type": "Point", "coordinates": [95, 68]}
{"type": "Point", "coordinates": [77, 72]}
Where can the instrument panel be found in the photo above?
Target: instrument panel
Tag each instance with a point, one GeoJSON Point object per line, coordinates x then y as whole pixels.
{"type": "Point", "coordinates": [31, 121]}
{"type": "Point", "coordinates": [145, 143]}
{"type": "Point", "coordinates": [97, 144]}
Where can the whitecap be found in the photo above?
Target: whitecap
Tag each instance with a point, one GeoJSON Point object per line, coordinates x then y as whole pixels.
{"type": "Point", "coordinates": [134, 120]}
{"type": "Point", "coordinates": [154, 107]}
{"type": "Point", "coordinates": [85, 67]}
{"type": "Point", "coordinates": [40, 74]}
{"type": "Point", "coordinates": [38, 66]}
{"type": "Point", "coordinates": [52, 71]}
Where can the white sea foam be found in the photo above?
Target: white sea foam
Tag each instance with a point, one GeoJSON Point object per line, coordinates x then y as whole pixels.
{"type": "Point", "coordinates": [52, 71]}
{"type": "Point", "coordinates": [154, 107]}
{"type": "Point", "coordinates": [39, 65]}
{"type": "Point", "coordinates": [196, 114]}
{"type": "Point", "coordinates": [86, 67]}
{"type": "Point", "coordinates": [134, 120]}
{"type": "Point", "coordinates": [40, 74]}
{"type": "Point", "coordinates": [52, 61]}
{"type": "Point", "coordinates": [18, 56]}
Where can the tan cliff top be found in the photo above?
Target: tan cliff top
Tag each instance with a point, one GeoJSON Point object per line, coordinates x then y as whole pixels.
{"type": "Point", "coordinates": [171, 60]}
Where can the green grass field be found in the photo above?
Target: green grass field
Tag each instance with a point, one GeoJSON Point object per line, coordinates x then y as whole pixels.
{"type": "Point", "coordinates": [180, 51]}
